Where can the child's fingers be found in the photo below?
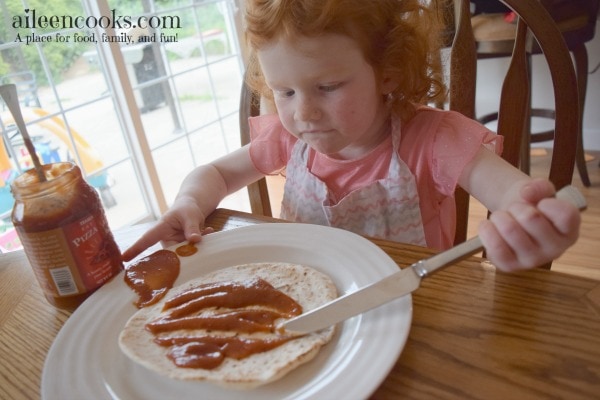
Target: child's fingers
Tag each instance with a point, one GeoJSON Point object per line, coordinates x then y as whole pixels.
{"type": "Point", "coordinates": [149, 238]}
{"type": "Point", "coordinates": [496, 248]}
{"type": "Point", "coordinates": [192, 232]}
{"type": "Point", "coordinates": [565, 217]}
{"type": "Point", "coordinates": [536, 190]}
{"type": "Point", "coordinates": [520, 240]}
{"type": "Point", "coordinates": [545, 241]}
{"type": "Point", "coordinates": [520, 231]}
{"type": "Point", "coordinates": [193, 235]}
{"type": "Point", "coordinates": [188, 221]}
{"type": "Point", "coordinates": [526, 236]}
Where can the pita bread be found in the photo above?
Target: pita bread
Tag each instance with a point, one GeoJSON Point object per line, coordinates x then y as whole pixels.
{"type": "Point", "coordinates": [307, 286]}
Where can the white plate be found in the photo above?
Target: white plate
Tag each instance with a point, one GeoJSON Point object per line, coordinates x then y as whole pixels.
{"type": "Point", "coordinates": [85, 361]}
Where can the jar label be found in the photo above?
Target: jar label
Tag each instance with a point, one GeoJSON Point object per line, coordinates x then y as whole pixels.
{"type": "Point", "coordinates": [70, 260]}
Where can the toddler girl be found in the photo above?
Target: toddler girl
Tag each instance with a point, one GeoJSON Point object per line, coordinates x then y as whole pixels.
{"type": "Point", "coordinates": [349, 80]}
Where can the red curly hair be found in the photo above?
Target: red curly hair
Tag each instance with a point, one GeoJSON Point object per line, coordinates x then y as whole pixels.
{"type": "Point", "coordinates": [399, 38]}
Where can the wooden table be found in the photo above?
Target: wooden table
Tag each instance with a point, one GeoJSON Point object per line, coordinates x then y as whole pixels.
{"type": "Point", "coordinates": [476, 333]}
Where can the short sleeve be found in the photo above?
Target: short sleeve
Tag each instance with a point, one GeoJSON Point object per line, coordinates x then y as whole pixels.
{"type": "Point", "coordinates": [269, 143]}
{"type": "Point", "coordinates": [456, 143]}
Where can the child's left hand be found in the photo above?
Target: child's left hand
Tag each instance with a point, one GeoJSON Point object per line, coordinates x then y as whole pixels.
{"type": "Point", "coordinates": [531, 231]}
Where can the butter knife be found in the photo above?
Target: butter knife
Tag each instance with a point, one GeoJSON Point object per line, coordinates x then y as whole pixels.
{"type": "Point", "coordinates": [396, 285]}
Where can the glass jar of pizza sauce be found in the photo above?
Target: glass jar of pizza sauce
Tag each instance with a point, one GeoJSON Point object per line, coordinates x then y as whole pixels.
{"type": "Point", "coordinates": [65, 234]}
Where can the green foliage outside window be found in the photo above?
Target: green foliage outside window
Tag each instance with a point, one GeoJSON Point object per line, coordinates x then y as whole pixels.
{"type": "Point", "coordinates": [26, 57]}
{"type": "Point", "coordinates": [61, 56]}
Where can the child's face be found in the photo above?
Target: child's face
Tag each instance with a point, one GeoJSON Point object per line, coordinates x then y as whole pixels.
{"type": "Point", "coordinates": [327, 94]}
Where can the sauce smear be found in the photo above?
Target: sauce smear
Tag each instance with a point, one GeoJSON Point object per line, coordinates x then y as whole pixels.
{"type": "Point", "coordinates": [209, 352]}
{"type": "Point", "coordinates": [151, 277]}
{"type": "Point", "coordinates": [186, 250]}
{"type": "Point", "coordinates": [223, 310]}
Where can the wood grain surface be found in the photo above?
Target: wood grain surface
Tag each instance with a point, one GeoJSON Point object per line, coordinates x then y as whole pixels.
{"type": "Point", "coordinates": [476, 333]}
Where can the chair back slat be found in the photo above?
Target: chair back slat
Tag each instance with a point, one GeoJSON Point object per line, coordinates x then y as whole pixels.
{"type": "Point", "coordinates": [463, 67]}
{"type": "Point", "coordinates": [564, 82]}
{"type": "Point", "coordinates": [513, 114]}
{"type": "Point", "coordinates": [258, 192]}
{"type": "Point", "coordinates": [463, 63]}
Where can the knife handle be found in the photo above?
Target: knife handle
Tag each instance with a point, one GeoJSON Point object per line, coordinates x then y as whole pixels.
{"type": "Point", "coordinates": [472, 246]}
{"type": "Point", "coordinates": [572, 195]}
{"type": "Point", "coordinates": [448, 257]}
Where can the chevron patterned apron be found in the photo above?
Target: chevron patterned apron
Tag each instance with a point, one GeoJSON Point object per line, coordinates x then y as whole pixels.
{"type": "Point", "coordinates": [387, 208]}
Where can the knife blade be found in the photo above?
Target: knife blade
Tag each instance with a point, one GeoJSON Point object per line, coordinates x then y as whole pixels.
{"type": "Point", "coordinates": [387, 289]}
{"type": "Point", "coordinates": [395, 285]}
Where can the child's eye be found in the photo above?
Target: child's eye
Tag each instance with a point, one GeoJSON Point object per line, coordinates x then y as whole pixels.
{"type": "Point", "coordinates": [285, 93]}
{"type": "Point", "coordinates": [330, 88]}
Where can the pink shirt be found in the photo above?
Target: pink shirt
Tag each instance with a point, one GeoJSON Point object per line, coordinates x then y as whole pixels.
{"type": "Point", "coordinates": [436, 145]}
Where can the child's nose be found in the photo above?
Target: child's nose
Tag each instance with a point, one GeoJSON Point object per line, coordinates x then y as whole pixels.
{"type": "Point", "coordinates": [307, 110]}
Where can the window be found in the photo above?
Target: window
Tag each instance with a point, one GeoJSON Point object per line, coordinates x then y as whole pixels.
{"type": "Point", "coordinates": [137, 103]}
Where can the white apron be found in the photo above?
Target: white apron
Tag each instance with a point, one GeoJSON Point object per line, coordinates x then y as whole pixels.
{"type": "Point", "coordinates": [387, 208]}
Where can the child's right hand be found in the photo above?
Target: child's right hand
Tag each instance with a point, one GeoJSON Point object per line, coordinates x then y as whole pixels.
{"type": "Point", "coordinates": [182, 222]}
{"type": "Point", "coordinates": [532, 230]}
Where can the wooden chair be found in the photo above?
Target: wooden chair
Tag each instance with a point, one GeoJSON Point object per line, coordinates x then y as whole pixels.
{"type": "Point", "coordinates": [258, 191]}
{"type": "Point", "coordinates": [535, 22]}
{"type": "Point", "coordinates": [495, 35]}
{"type": "Point", "coordinates": [513, 112]}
